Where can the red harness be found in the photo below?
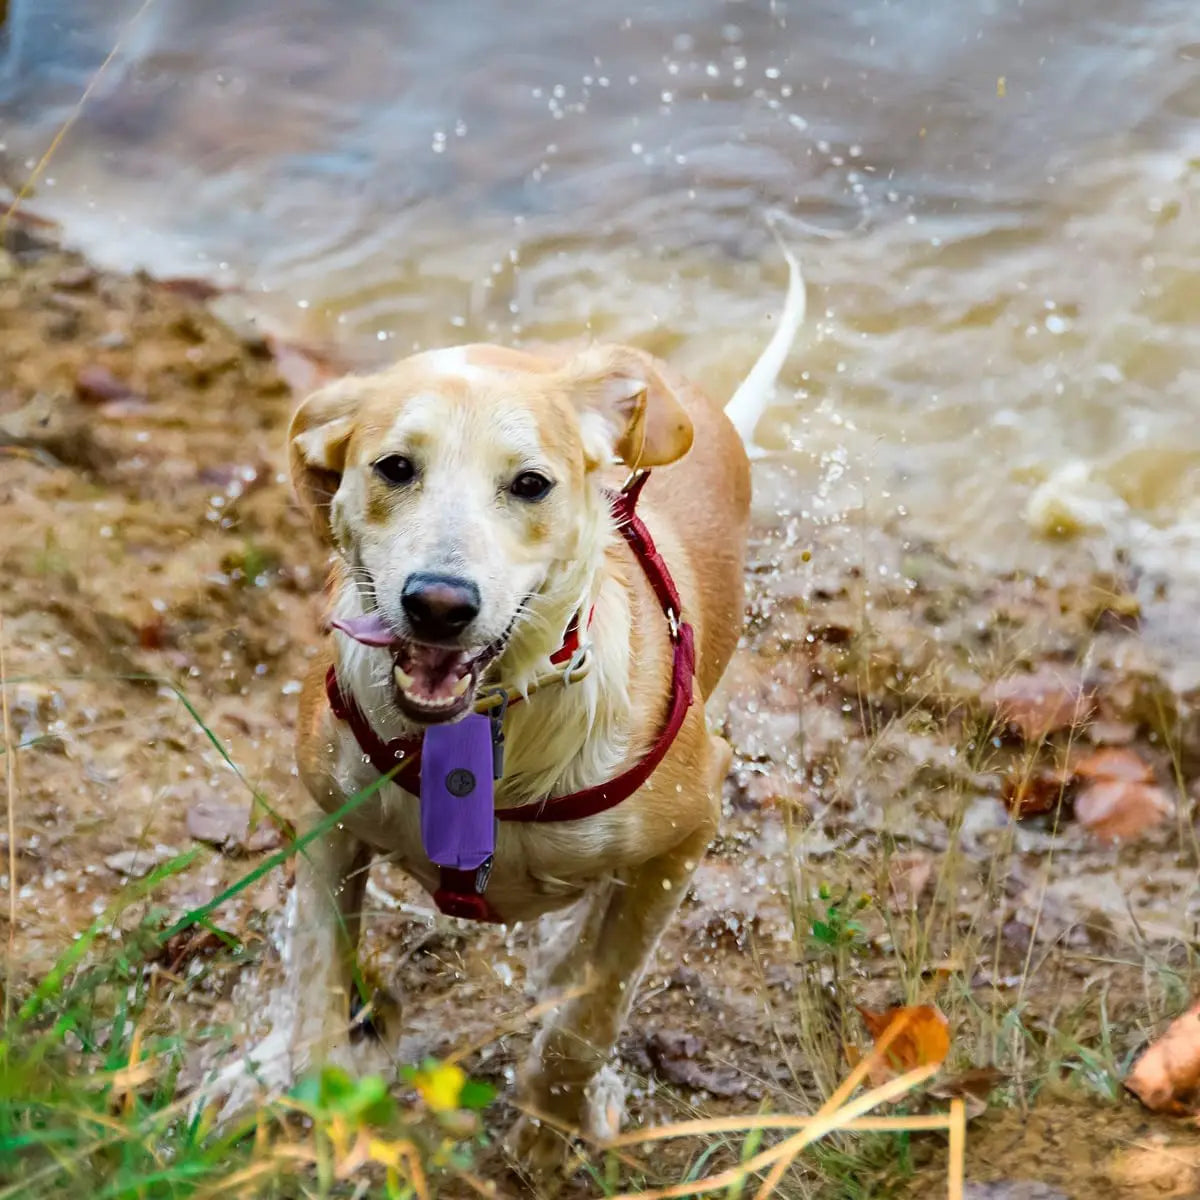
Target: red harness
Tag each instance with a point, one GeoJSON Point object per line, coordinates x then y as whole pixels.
{"type": "Point", "coordinates": [461, 893]}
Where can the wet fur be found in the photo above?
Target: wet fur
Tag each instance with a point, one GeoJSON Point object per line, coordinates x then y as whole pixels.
{"type": "Point", "coordinates": [624, 871]}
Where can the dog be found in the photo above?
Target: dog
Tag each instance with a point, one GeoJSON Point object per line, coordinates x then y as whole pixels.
{"type": "Point", "coordinates": [553, 544]}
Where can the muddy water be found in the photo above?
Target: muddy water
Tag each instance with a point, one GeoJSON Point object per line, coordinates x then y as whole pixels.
{"type": "Point", "coordinates": [995, 204]}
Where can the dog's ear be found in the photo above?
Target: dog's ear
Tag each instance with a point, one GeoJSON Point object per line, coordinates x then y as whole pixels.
{"type": "Point", "coordinates": [626, 410]}
{"type": "Point", "coordinates": [317, 440]}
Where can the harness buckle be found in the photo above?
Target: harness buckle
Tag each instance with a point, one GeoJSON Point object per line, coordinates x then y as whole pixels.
{"type": "Point", "coordinates": [632, 479]}
{"type": "Point", "coordinates": [673, 624]}
{"type": "Point", "coordinates": [496, 717]}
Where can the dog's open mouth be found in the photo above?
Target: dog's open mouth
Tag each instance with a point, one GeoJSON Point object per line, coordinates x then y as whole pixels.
{"type": "Point", "coordinates": [433, 684]}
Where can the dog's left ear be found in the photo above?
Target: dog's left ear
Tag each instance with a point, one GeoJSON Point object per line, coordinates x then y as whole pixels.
{"type": "Point", "coordinates": [626, 410]}
{"type": "Point", "coordinates": [317, 441]}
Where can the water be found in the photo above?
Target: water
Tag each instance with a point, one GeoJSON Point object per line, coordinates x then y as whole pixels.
{"type": "Point", "coordinates": [995, 204]}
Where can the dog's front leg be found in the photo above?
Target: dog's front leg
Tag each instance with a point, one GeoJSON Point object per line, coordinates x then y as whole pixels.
{"type": "Point", "coordinates": [606, 960]}
{"type": "Point", "coordinates": [307, 1015]}
{"type": "Point", "coordinates": [324, 921]}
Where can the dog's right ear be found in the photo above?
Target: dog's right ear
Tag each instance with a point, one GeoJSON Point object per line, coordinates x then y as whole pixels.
{"type": "Point", "coordinates": [317, 441]}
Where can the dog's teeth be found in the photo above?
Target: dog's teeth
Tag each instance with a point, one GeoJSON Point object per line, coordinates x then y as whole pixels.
{"type": "Point", "coordinates": [403, 679]}
{"type": "Point", "coordinates": [461, 685]}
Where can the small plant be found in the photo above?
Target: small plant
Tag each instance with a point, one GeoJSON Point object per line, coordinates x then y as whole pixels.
{"type": "Point", "coordinates": [838, 930]}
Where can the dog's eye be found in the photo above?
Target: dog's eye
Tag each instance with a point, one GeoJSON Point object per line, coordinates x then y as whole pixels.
{"type": "Point", "coordinates": [529, 485]}
{"type": "Point", "coordinates": [395, 470]}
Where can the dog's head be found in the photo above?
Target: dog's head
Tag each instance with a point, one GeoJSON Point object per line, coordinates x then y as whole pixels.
{"type": "Point", "coordinates": [459, 489]}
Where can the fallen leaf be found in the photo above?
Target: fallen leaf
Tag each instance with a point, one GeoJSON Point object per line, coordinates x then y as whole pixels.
{"type": "Point", "coordinates": [1029, 793]}
{"type": "Point", "coordinates": [1017, 934]}
{"type": "Point", "coordinates": [925, 1040]}
{"type": "Point", "coordinates": [75, 279]}
{"type": "Point", "coordinates": [227, 826]}
{"type": "Point", "coordinates": [1114, 763]}
{"type": "Point", "coordinates": [302, 368]}
{"type": "Point", "coordinates": [1111, 732]}
{"type": "Point", "coordinates": [1040, 703]}
{"type": "Point", "coordinates": [152, 633]}
{"type": "Point", "coordinates": [973, 1087]}
{"type": "Point", "coordinates": [98, 385]}
{"type": "Point", "coordinates": [129, 409]}
{"type": "Point", "coordinates": [187, 945]}
{"type": "Point", "coordinates": [675, 1058]}
{"type": "Point", "coordinates": [189, 287]}
{"type": "Point", "coordinates": [908, 877]}
{"type": "Point", "coordinates": [1117, 810]}
{"type": "Point", "coordinates": [1166, 1079]}
{"type": "Point", "coordinates": [133, 864]}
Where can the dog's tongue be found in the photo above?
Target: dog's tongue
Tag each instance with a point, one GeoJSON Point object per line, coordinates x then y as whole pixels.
{"type": "Point", "coordinates": [371, 630]}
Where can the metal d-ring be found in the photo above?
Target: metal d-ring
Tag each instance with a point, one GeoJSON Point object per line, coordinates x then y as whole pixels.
{"type": "Point", "coordinates": [580, 661]}
{"type": "Point", "coordinates": [502, 704]}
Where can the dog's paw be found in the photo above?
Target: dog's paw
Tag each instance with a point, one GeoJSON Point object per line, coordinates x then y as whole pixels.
{"type": "Point", "coordinates": [539, 1150]}
{"type": "Point", "coordinates": [604, 1104]}
{"type": "Point", "coordinates": [240, 1087]}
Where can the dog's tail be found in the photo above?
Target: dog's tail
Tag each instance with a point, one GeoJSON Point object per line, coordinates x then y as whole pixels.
{"type": "Point", "coordinates": [750, 401]}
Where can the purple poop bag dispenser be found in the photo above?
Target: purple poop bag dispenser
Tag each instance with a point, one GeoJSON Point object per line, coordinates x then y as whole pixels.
{"type": "Point", "coordinates": [458, 819]}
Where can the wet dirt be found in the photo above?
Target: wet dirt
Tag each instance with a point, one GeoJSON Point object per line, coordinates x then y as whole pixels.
{"type": "Point", "coordinates": [151, 550]}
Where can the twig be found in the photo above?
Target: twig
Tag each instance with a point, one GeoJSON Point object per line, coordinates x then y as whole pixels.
{"type": "Point", "coordinates": [825, 1122]}
{"type": "Point", "coordinates": [958, 1147]}
{"type": "Point", "coordinates": [10, 787]}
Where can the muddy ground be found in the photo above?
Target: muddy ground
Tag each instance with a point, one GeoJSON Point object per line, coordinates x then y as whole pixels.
{"type": "Point", "coordinates": [150, 546]}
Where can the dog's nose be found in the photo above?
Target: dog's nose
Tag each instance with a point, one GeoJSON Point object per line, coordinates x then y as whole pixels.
{"type": "Point", "coordinates": [439, 607]}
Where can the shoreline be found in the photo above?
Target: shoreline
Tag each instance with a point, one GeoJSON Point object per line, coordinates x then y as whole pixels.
{"type": "Point", "coordinates": [152, 536]}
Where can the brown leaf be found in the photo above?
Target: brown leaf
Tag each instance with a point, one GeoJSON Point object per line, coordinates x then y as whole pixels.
{"type": "Point", "coordinates": [75, 279]}
{"type": "Point", "coordinates": [125, 410]}
{"type": "Point", "coordinates": [924, 1040]}
{"type": "Point", "coordinates": [152, 633]}
{"type": "Point", "coordinates": [1107, 731]}
{"type": "Point", "coordinates": [1116, 809]}
{"type": "Point", "coordinates": [98, 385]}
{"type": "Point", "coordinates": [140, 861]}
{"type": "Point", "coordinates": [1114, 763]}
{"type": "Point", "coordinates": [973, 1087]}
{"type": "Point", "coordinates": [227, 826]}
{"type": "Point", "coordinates": [1041, 703]}
{"type": "Point", "coordinates": [187, 945]}
{"type": "Point", "coordinates": [908, 877]}
{"type": "Point", "coordinates": [1166, 1079]}
{"type": "Point", "coordinates": [674, 1056]}
{"type": "Point", "coordinates": [302, 368]}
{"type": "Point", "coordinates": [1029, 793]}
{"type": "Point", "coordinates": [189, 287]}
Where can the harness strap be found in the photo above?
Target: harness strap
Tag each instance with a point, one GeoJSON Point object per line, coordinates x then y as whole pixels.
{"type": "Point", "coordinates": [570, 642]}
{"type": "Point", "coordinates": [460, 893]}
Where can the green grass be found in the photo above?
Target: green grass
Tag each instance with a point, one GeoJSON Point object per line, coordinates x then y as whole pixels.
{"type": "Point", "coordinates": [91, 1053]}
{"type": "Point", "coordinates": [90, 1057]}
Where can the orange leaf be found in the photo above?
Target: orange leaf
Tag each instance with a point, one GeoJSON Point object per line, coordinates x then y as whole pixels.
{"type": "Point", "coordinates": [1031, 793]}
{"type": "Point", "coordinates": [1114, 763]}
{"type": "Point", "coordinates": [1041, 703]}
{"type": "Point", "coordinates": [1116, 809]}
{"type": "Point", "coordinates": [924, 1040]}
{"type": "Point", "coordinates": [1166, 1079]}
